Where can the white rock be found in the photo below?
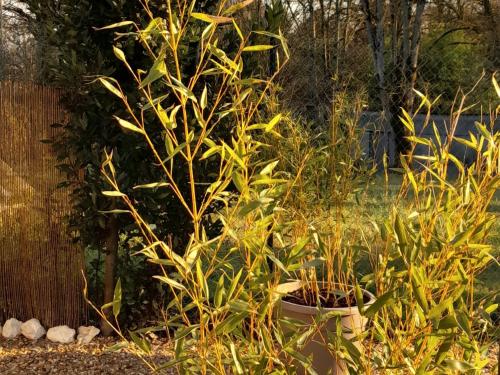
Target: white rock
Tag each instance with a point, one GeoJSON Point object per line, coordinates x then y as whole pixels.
{"type": "Point", "coordinates": [32, 329]}
{"type": "Point", "coordinates": [86, 334]}
{"type": "Point", "coordinates": [61, 334]}
{"type": "Point", "coordinates": [11, 328]}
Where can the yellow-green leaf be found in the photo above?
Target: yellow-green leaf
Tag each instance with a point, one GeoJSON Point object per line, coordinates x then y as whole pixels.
{"type": "Point", "coordinates": [169, 145]}
{"type": "Point", "coordinates": [495, 84]}
{"type": "Point", "coordinates": [211, 19]}
{"type": "Point", "coordinates": [256, 48]}
{"type": "Point", "coordinates": [157, 71]}
{"type": "Point", "coordinates": [171, 282]}
{"type": "Point", "coordinates": [117, 298]}
{"type": "Point", "coordinates": [236, 7]}
{"type": "Point", "coordinates": [129, 126]}
{"type": "Point", "coordinates": [116, 25]}
{"type": "Point", "coordinates": [106, 82]}
{"type": "Point", "coordinates": [269, 168]}
{"type": "Point", "coordinates": [276, 119]}
{"type": "Point", "coordinates": [113, 194]}
{"type": "Point", "coordinates": [119, 54]}
{"type": "Point", "coordinates": [203, 100]}
{"type": "Point", "coordinates": [152, 185]}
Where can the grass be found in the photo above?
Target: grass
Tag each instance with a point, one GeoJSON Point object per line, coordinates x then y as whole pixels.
{"type": "Point", "coordinates": [489, 280]}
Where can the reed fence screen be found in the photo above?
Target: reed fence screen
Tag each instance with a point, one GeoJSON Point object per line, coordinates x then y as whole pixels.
{"type": "Point", "coordinates": [40, 267]}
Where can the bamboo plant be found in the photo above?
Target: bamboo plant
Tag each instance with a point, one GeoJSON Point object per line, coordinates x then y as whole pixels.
{"type": "Point", "coordinates": [223, 288]}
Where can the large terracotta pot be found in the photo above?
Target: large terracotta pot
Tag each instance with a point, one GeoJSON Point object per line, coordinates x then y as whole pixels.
{"type": "Point", "coordinates": [323, 361]}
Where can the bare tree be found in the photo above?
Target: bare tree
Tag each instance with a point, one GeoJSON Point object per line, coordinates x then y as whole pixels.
{"type": "Point", "coordinates": [395, 81]}
{"type": "Point", "coordinates": [2, 51]}
{"type": "Point", "coordinates": [17, 42]}
{"type": "Point", "coordinates": [492, 13]}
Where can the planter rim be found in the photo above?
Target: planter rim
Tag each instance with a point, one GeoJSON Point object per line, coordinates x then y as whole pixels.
{"type": "Point", "coordinates": [313, 310]}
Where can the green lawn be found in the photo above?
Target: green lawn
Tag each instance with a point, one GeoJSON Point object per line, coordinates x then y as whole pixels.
{"type": "Point", "coordinates": [377, 202]}
{"type": "Point", "coordinates": [490, 278]}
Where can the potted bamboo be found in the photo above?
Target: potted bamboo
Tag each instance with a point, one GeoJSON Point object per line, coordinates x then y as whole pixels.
{"type": "Point", "coordinates": [300, 303]}
{"type": "Point", "coordinates": [322, 297]}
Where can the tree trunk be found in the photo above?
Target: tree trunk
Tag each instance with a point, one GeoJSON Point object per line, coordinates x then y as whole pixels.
{"type": "Point", "coordinates": [491, 14]}
{"type": "Point", "coordinates": [375, 30]}
{"type": "Point", "coordinates": [2, 57]}
{"type": "Point", "coordinates": [411, 66]}
{"type": "Point", "coordinates": [313, 67]}
{"type": "Point", "coordinates": [403, 83]}
{"type": "Point", "coordinates": [109, 272]}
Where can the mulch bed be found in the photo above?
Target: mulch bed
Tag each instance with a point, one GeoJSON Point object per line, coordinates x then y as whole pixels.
{"type": "Point", "coordinates": [26, 357]}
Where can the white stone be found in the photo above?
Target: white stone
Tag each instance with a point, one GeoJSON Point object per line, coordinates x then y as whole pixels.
{"type": "Point", "coordinates": [32, 329]}
{"type": "Point", "coordinates": [11, 328]}
{"type": "Point", "coordinates": [61, 334]}
{"type": "Point", "coordinates": [86, 334]}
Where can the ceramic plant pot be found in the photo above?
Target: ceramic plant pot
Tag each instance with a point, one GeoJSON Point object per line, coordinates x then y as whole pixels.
{"type": "Point", "coordinates": [323, 361]}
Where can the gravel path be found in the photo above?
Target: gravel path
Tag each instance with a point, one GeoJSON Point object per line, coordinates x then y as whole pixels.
{"type": "Point", "coordinates": [25, 357]}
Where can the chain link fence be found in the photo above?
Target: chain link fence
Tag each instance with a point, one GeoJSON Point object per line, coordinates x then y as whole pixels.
{"type": "Point", "coordinates": [332, 64]}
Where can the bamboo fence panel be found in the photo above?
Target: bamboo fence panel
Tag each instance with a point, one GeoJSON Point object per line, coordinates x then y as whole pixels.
{"type": "Point", "coordinates": [40, 267]}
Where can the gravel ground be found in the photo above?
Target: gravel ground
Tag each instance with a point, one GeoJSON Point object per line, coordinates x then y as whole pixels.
{"type": "Point", "coordinates": [25, 357]}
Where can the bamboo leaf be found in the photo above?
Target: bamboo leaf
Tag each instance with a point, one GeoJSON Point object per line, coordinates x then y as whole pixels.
{"type": "Point", "coordinates": [113, 194]}
{"type": "Point", "coordinates": [419, 291]}
{"type": "Point", "coordinates": [202, 280]}
{"type": "Point", "coordinates": [238, 181]}
{"type": "Point", "coordinates": [448, 322]}
{"type": "Point", "coordinates": [152, 185]}
{"type": "Point", "coordinates": [231, 323]}
{"type": "Point", "coordinates": [117, 298]}
{"type": "Point", "coordinates": [182, 89]}
{"type": "Point", "coordinates": [115, 212]}
{"type": "Point", "coordinates": [495, 85]}
{"type": "Point", "coordinates": [359, 297]}
{"type": "Point", "coordinates": [234, 284]}
{"type": "Point", "coordinates": [463, 322]}
{"type": "Point", "coordinates": [108, 84]}
{"type": "Point", "coordinates": [211, 19]}
{"type": "Point", "coordinates": [167, 280]}
{"type": "Point", "coordinates": [169, 145]}
{"type": "Point", "coordinates": [257, 48]}
{"type": "Point", "coordinates": [436, 311]}
{"type": "Point", "coordinates": [268, 169]}
{"type": "Point", "coordinates": [234, 156]}
{"type": "Point", "coordinates": [117, 25]}
{"type": "Point", "coordinates": [267, 181]}
{"type": "Point", "coordinates": [276, 119]}
{"type": "Point", "coordinates": [164, 118]}
{"type": "Point", "coordinates": [128, 125]}
{"type": "Point", "coordinates": [219, 292]}
{"type": "Point", "coordinates": [119, 54]}
{"type": "Point", "coordinates": [236, 7]}
{"type": "Point", "coordinates": [157, 71]}
{"type": "Point", "coordinates": [140, 342]}
{"type": "Point", "coordinates": [385, 300]}
{"type": "Point", "coordinates": [184, 331]}
{"type": "Point", "coordinates": [211, 151]}
{"type": "Point", "coordinates": [203, 99]}
{"type": "Point", "coordinates": [236, 359]}
{"type": "Point", "coordinates": [456, 365]}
